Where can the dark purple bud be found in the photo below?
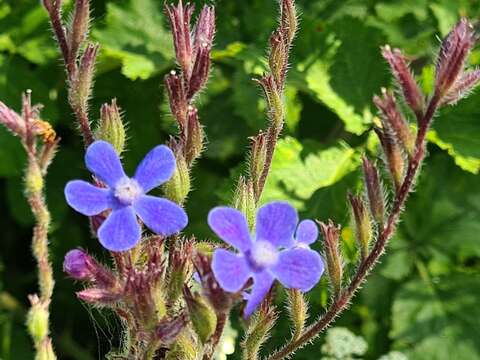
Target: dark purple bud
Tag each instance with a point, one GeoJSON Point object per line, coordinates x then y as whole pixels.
{"type": "Point", "coordinates": [289, 20]}
{"type": "Point", "coordinates": [177, 98]}
{"type": "Point", "coordinates": [79, 30]}
{"type": "Point", "coordinates": [393, 156]}
{"type": "Point", "coordinates": [12, 121]}
{"type": "Point", "coordinates": [374, 191]}
{"type": "Point", "coordinates": [99, 296]}
{"type": "Point", "coordinates": [393, 119]}
{"type": "Point", "coordinates": [78, 265]}
{"type": "Point", "coordinates": [452, 57]}
{"type": "Point", "coordinates": [406, 81]}
{"type": "Point", "coordinates": [331, 237]}
{"type": "Point", "coordinates": [464, 85]}
{"type": "Point", "coordinates": [180, 17]}
{"type": "Point", "coordinates": [168, 329]}
{"type": "Point", "coordinates": [201, 70]}
{"type": "Point", "coordinates": [278, 58]}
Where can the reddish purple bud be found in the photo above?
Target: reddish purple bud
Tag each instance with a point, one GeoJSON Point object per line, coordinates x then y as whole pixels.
{"type": "Point", "coordinates": [201, 70]}
{"type": "Point", "coordinates": [278, 59]}
{"type": "Point", "coordinates": [401, 71]}
{"type": "Point", "coordinates": [452, 57]}
{"type": "Point", "coordinates": [462, 88]}
{"type": "Point", "coordinates": [177, 98]}
{"type": "Point", "coordinates": [393, 119]}
{"type": "Point", "coordinates": [79, 28]}
{"type": "Point", "coordinates": [180, 17]}
{"type": "Point", "coordinates": [289, 20]}
{"type": "Point", "coordinates": [12, 121]}
{"type": "Point", "coordinates": [374, 191]}
{"type": "Point", "coordinates": [393, 156]}
{"type": "Point", "coordinates": [99, 296]}
{"type": "Point", "coordinates": [331, 237]}
{"type": "Point", "coordinates": [78, 265]}
{"type": "Point", "coordinates": [168, 329]}
{"type": "Point", "coordinates": [205, 28]}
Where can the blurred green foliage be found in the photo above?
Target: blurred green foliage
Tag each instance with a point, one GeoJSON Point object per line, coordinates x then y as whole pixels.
{"type": "Point", "coordinates": [423, 298]}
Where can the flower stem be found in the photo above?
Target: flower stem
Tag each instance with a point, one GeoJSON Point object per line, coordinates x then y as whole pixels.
{"type": "Point", "coordinates": [341, 302]}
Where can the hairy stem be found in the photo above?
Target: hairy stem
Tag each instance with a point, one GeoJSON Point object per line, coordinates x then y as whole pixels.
{"type": "Point", "coordinates": [366, 266]}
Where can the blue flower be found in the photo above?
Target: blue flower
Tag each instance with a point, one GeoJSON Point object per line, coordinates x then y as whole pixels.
{"type": "Point", "coordinates": [274, 252]}
{"type": "Point", "coordinates": [126, 197]}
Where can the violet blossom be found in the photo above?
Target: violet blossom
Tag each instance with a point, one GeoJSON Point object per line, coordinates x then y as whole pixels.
{"type": "Point", "coordinates": [126, 197]}
{"type": "Point", "coordinates": [272, 253]}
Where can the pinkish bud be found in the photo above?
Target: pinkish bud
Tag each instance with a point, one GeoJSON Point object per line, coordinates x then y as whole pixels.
{"type": "Point", "coordinates": [374, 191]}
{"type": "Point", "coordinates": [464, 85]}
{"type": "Point", "coordinates": [393, 119]}
{"type": "Point", "coordinates": [177, 98]}
{"type": "Point", "coordinates": [393, 156]}
{"type": "Point", "coordinates": [410, 89]}
{"type": "Point", "coordinates": [180, 17]}
{"type": "Point", "coordinates": [452, 57]}
{"type": "Point", "coordinates": [78, 265]}
{"type": "Point", "coordinates": [12, 121]}
{"type": "Point", "coordinates": [97, 296]}
{"type": "Point", "coordinates": [79, 27]}
{"type": "Point", "coordinates": [331, 237]}
{"type": "Point", "coordinates": [205, 28]}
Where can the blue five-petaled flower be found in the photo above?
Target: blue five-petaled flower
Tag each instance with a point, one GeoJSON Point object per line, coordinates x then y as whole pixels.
{"type": "Point", "coordinates": [278, 250]}
{"type": "Point", "coordinates": [126, 197]}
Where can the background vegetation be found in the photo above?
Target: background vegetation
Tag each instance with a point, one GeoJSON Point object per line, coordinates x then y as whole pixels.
{"type": "Point", "coordinates": [422, 300]}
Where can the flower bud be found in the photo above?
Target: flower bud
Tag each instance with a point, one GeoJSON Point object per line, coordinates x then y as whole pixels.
{"type": "Point", "coordinates": [259, 328]}
{"type": "Point", "coordinates": [453, 53]}
{"type": "Point", "coordinates": [82, 83]}
{"type": "Point", "coordinates": [374, 191]}
{"type": "Point", "coordinates": [78, 265]}
{"type": "Point", "coordinates": [278, 58]}
{"type": "Point", "coordinates": [178, 187]}
{"type": "Point", "coordinates": [12, 121]}
{"type": "Point", "coordinates": [393, 156]}
{"type": "Point", "coordinates": [392, 118]}
{"type": "Point", "coordinates": [331, 237]}
{"type": "Point", "coordinates": [289, 20]}
{"type": "Point", "coordinates": [180, 17]}
{"type": "Point", "coordinates": [274, 100]}
{"type": "Point", "coordinates": [97, 296]}
{"type": "Point", "coordinates": [180, 269]}
{"type": "Point", "coordinates": [168, 329]}
{"type": "Point", "coordinates": [244, 200]}
{"type": "Point", "coordinates": [406, 81]}
{"type": "Point", "coordinates": [111, 128]}
{"type": "Point", "coordinates": [37, 320]}
{"type": "Point", "coordinates": [258, 157]}
{"type": "Point", "coordinates": [194, 136]}
{"type": "Point", "coordinates": [464, 85]}
{"type": "Point", "coordinates": [363, 226]}
{"type": "Point", "coordinates": [79, 27]}
{"type": "Point", "coordinates": [177, 98]}
{"type": "Point", "coordinates": [202, 315]}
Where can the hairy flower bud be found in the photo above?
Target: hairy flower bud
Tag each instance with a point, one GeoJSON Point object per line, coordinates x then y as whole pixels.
{"type": "Point", "coordinates": [462, 88]}
{"type": "Point", "coordinates": [37, 319]}
{"type": "Point", "coordinates": [331, 237]}
{"type": "Point", "coordinates": [278, 58]}
{"type": "Point", "coordinates": [258, 331]}
{"type": "Point", "coordinates": [363, 225]}
{"type": "Point", "coordinates": [81, 266]}
{"type": "Point", "coordinates": [178, 187]}
{"type": "Point", "coordinates": [194, 136]}
{"type": "Point", "coordinates": [168, 329]}
{"type": "Point", "coordinates": [202, 315]}
{"type": "Point", "coordinates": [244, 200]}
{"type": "Point", "coordinates": [274, 100]}
{"type": "Point", "coordinates": [406, 81]}
{"type": "Point", "coordinates": [111, 127]}
{"type": "Point", "coordinates": [96, 296]}
{"type": "Point", "coordinates": [289, 21]}
{"type": "Point", "coordinates": [258, 157]}
{"type": "Point", "coordinates": [393, 156]}
{"type": "Point", "coordinates": [180, 17]}
{"type": "Point", "coordinates": [452, 57]}
{"type": "Point", "coordinates": [393, 119]}
{"type": "Point", "coordinates": [177, 98]}
{"type": "Point", "coordinates": [180, 269]}
{"type": "Point", "coordinates": [79, 27]}
{"type": "Point", "coordinates": [12, 121]}
{"type": "Point", "coordinates": [374, 191]}
{"type": "Point", "coordinates": [82, 83]}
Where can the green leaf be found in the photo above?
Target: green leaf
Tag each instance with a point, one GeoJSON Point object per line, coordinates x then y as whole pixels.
{"type": "Point", "coordinates": [141, 43]}
{"type": "Point", "coordinates": [298, 171]}
{"type": "Point", "coordinates": [438, 320]}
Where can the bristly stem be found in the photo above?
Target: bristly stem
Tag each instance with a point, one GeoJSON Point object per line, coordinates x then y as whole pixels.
{"type": "Point", "coordinates": [365, 267]}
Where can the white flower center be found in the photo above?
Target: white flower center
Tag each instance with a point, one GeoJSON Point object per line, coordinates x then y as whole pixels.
{"type": "Point", "coordinates": [264, 254]}
{"type": "Point", "coordinates": [127, 191]}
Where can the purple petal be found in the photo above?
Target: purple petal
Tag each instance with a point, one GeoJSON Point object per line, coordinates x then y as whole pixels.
{"type": "Point", "coordinates": [156, 168]}
{"type": "Point", "coordinates": [231, 226]}
{"type": "Point", "coordinates": [262, 282]}
{"type": "Point", "coordinates": [162, 216]}
{"type": "Point", "coordinates": [276, 223]}
{"type": "Point", "coordinates": [102, 160]}
{"type": "Point", "coordinates": [121, 230]}
{"type": "Point", "coordinates": [86, 198]}
{"type": "Point", "coordinates": [298, 269]}
{"type": "Point", "coordinates": [230, 270]}
{"type": "Point", "coordinates": [307, 232]}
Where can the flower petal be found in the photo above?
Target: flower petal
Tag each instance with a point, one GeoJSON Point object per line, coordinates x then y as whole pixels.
{"type": "Point", "coordinates": [307, 232]}
{"type": "Point", "coordinates": [156, 168]}
{"type": "Point", "coordinates": [162, 216]}
{"type": "Point", "coordinates": [121, 230]}
{"type": "Point", "coordinates": [102, 160]}
{"type": "Point", "coordinates": [231, 226]}
{"type": "Point", "coordinates": [276, 223]}
{"type": "Point", "coordinates": [262, 282]}
{"type": "Point", "coordinates": [86, 198]}
{"type": "Point", "coordinates": [298, 269]}
{"type": "Point", "coordinates": [230, 270]}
